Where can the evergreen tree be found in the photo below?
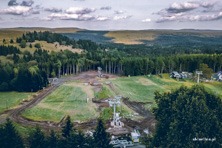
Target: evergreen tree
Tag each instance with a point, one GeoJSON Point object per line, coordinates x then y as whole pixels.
{"type": "Point", "coordinates": [187, 114]}
{"type": "Point", "coordinates": [37, 138]}
{"type": "Point", "coordinates": [11, 41]}
{"type": "Point", "coordinates": [23, 44]}
{"type": "Point", "coordinates": [101, 137]}
{"type": "Point", "coordinates": [30, 45]}
{"type": "Point", "coordinates": [80, 139]}
{"type": "Point", "coordinates": [52, 140]}
{"type": "Point", "coordinates": [68, 128]}
{"type": "Point", "coordinates": [9, 136]}
{"type": "Point", "coordinates": [37, 45]}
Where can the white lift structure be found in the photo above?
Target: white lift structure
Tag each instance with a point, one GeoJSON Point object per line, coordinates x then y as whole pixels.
{"type": "Point", "coordinates": [116, 116]}
{"type": "Point", "coordinates": [99, 72]}
{"type": "Point", "coordinates": [198, 78]}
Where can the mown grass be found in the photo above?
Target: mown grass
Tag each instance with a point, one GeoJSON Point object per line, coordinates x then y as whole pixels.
{"type": "Point", "coordinates": [142, 88]}
{"type": "Point", "coordinates": [131, 88]}
{"type": "Point", "coordinates": [215, 87]}
{"type": "Point", "coordinates": [65, 100]}
{"type": "Point", "coordinates": [104, 93]}
{"type": "Point", "coordinates": [107, 113]}
{"type": "Point", "coordinates": [11, 99]}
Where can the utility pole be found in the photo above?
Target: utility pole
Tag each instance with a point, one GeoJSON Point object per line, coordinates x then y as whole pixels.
{"type": "Point", "coordinates": [198, 76]}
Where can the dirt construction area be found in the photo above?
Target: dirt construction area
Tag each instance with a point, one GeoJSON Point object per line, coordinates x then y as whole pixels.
{"type": "Point", "coordinates": [90, 77]}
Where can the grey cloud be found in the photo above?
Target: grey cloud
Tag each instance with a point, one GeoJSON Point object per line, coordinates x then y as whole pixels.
{"type": "Point", "coordinates": [80, 10]}
{"type": "Point", "coordinates": [208, 4]}
{"type": "Point", "coordinates": [212, 17]}
{"type": "Point", "coordinates": [102, 18]}
{"type": "Point", "coordinates": [54, 10]}
{"type": "Point", "coordinates": [182, 11]}
{"type": "Point", "coordinates": [19, 10]}
{"type": "Point", "coordinates": [119, 12]}
{"type": "Point", "coordinates": [12, 3]}
{"type": "Point", "coordinates": [27, 3]}
{"type": "Point", "coordinates": [182, 7]}
{"type": "Point", "coordinates": [116, 18]}
{"type": "Point", "coordinates": [169, 18]}
{"type": "Point", "coordinates": [106, 8]}
{"type": "Point", "coordinates": [189, 6]}
{"type": "Point", "coordinates": [76, 17]}
{"type": "Point", "coordinates": [35, 12]}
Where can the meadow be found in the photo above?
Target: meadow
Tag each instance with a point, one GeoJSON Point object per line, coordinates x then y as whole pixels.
{"type": "Point", "coordinates": [142, 88]}
{"type": "Point", "coordinates": [11, 99]}
{"type": "Point", "coordinates": [68, 99]}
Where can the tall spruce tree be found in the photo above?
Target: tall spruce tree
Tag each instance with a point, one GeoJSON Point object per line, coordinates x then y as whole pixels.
{"type": "Point", "coordinates": [68, 128]}
{"type": "Point", "coordinates": [37, 138]}
{"type": "Point", "coordinates": [9, 137]}
{"type": "Point", "coordinates": [188, 117]}
{"type": "Point", "coordinates": [52, 140]}
{"type": "Point", "coordinates": [101, 137]}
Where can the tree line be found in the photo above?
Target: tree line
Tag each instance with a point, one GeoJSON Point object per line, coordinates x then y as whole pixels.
{"type": "Point", "coordinates": [5, 50]}
{"type": "Point", "coordinates": [67, 137]}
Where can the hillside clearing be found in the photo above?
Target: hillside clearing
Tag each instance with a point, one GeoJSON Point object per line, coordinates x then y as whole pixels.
{"type": "Point", "coordinates": [11, 99]}
{"type": "Point", "coordinates": [142, 88]}
{"type": "Point", "coordinates": [130, 37]}
{"type": "Point", "coordinates": [68, 99]}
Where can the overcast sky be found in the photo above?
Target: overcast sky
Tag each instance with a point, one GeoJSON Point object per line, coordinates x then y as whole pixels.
{"type": "Point", "coordinates": [112, 14]}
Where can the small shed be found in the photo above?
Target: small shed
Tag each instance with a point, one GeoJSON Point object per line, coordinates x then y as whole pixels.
{"type": "Point", "coordinates": [175, 74]}
{"type": "Point", "coordinates": [135, 135]}
{"type": "Point", "coordinates": [218, 76]}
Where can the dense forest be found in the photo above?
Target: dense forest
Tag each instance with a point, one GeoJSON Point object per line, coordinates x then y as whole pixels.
{"type": "Point", "coordinates": [187, 117]}
{"type": "Point", "coordinates": [34, 69]}
{"type": "Point", "coordinates": [67, 137]}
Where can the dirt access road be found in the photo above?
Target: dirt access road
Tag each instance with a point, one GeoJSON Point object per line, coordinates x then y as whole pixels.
{"type": "Point", "coordinates": [15, 114]}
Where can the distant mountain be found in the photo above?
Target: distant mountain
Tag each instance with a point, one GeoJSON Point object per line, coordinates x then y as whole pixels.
{"type": "Point", "coordinates": [136, 39]}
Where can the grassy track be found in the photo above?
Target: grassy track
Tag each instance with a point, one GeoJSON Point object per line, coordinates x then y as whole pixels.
{"type": "Point", "coordinates": [68, 99]}
{"type": "Point", "coordinates": [11, 99]}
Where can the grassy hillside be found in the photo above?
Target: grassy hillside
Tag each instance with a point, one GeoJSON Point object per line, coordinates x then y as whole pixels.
{"type": "Point", "coordinates": [14, 33]}
{"type": "Point", "coordinates": [11, 99]}
{"type": "Point", "coordinates": [142, 88]}
{"type": "Point", "coordinates": [68, 99]}
{"type": "Point", "coordinates": [130, 37]}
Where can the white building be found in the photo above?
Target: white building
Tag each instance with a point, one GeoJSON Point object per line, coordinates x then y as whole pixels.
{"type": "Point", "coordinates": [135, 135]}
{"type": "Point", "coordinates": [218, 76]}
